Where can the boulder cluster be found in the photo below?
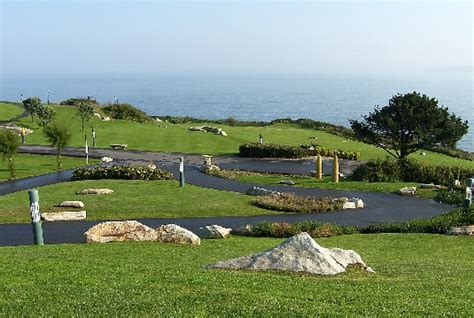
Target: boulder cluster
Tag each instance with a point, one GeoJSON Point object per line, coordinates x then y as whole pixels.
{"type": "Point", "coordinates": [215, 130]}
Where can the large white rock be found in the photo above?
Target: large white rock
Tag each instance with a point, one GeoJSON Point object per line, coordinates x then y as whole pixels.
{"type": "Point", "coordinates": [120, 231]}
{"type": "Point", "coordinates": [461, 230]}
{"type": "Point", "coordinates": [172, 233]}
{"type": "Point", "coordinates": [71, 204]}
{"type": "Point", "coordinates": [410, 191]}
{"type": "Point", "coordinates": [95, 191]}
{"type": "Point", "coordinates": [64, 216]}
{"type": "Point", "coordinates": [213, 232]}
{"type": "Point", "coordinates": [299, 253]}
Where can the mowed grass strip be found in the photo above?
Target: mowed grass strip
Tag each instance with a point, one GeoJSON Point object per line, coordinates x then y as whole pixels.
{"type": "Point", "coordinates": [9, 111]}
{"type": "Point", "coordinates": [177, 138]}
{"type": "Point", "coordinates": [27, 165]}
{"type": "Point", "coordinates": [132, 200]}
{"type": "Point", "coordinates": [416, 275]}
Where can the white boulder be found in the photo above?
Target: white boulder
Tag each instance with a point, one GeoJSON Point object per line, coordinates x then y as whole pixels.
{"type": "Point", "coordinates": [95, 191]}
{"type": "Point", "coordinates": [409, 191]}
{"type": "Point", "coordinates": [120, 231]}
{"type": "Point", "coordinates": [172, 233]}
{"type": "Point", "coordinates": [213, 232]}
{"type": "Point", "coordinates": [71, 204]}
{"type": "Point", "coordinates": [299, 253]}
{"type": "Point", "coordinates": [64, 216]}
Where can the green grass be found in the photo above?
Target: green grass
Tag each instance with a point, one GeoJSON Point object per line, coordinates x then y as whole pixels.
{"type": "Point", "coordinates": [9, 111]}
{"type": "Point", "coordinates": [416, 275]}
{"type": "Point", "coordinates": [326, 183]}
{"type": "Point", "coordinates": [177, 138]}
{"type": "Point", "coordinates": [132, 200]}
{"type": "Point", "coordinates": [30, 165]}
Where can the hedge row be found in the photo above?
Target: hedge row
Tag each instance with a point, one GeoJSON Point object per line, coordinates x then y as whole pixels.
{"type": "Point", "coordinates": [290, 202]}
{"type": "Point", "coordinates": [409, 170]}
{"type": "Point", "coordinates": [126, 111]}
{"type": "Point", "coordinates": [437, 225]}
{"type": "Point", "coordinates": [257, 150]}
{"type": "Point", "coordinates": [121, 172]}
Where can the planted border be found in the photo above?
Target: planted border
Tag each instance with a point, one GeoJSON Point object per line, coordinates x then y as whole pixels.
{"type": "Point", "coordinates": [121, 172]}
{"type": "Point", "coordinates": [290, 202]}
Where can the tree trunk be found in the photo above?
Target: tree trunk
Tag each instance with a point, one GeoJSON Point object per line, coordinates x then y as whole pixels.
{"type": "Point", "coordinates": [58, 159]}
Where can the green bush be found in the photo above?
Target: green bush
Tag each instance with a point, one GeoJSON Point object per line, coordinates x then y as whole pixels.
{"type": "Point", "coordinates": [77, 101]}
{"type": "Point", "coordinates": [454, 197]}
{"type": "Point", "coordinates": [408, 170]}
{"type": "Point", "coordinates": [315, 229]}
{"type": "Point", "coordinates": [125, 111]}
{"type": "Point", "coordinates": [121, 172]}
{"type": "Point", "coordinates": [290, 202]}
{"type": "Point", "coordinates": [258, 150]}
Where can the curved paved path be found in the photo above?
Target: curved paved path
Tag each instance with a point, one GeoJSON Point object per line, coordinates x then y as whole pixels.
{"type": "Point", "coordinates": [380, 207]}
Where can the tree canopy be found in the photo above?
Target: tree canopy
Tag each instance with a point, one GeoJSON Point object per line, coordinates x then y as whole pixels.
{"type": "Point", "coordinates": [31, 105]}
{"type": "Point", "coordinates": [45, 114]}
{"type": "Point", "coordinates": [59, 136]}
{"type": "Point", "coordinates": [410, 122]}
{"type": "Point", "coordinates": [86, 112]}
{"type": "Point", "coordinates": [9, 144]}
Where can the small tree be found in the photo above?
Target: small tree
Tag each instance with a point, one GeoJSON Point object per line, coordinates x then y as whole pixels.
{"type": "Point", "coordinates": [59, 136]}
{"type": "Point", "coordinates": [31, 105]}
{"type": "Point", "coordinates": [45, 114]}
{"type": "Point", "coordinates": [9, 144]}
{"type": "Point", "coordinates": [410, 122]}
{"type": "Point", "coordinates": [86, 112]}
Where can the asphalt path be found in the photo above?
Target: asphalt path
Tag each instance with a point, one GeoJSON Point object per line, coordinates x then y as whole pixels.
{"type": "Point", "coordinates": [379, 207]}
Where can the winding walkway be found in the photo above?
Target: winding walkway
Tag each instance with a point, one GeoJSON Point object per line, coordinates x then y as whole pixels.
{"type": "Point", "coordinates": [380, 207]}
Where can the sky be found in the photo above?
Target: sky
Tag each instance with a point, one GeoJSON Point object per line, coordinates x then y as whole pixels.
{"type": "Point", "coordinates": [131, 37]}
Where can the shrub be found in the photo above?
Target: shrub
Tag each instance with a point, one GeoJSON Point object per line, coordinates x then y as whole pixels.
{"type": "Point", "coordinates": [257, 150]}
{"type": "Point", "coordinates": [126, 111]}
{"type": "Point", "coordinates": [290, 202]}
{"type": "Point", "coordinates": [315, 229]}
{"type": "Point", "coordinates": [121, 172]}
{"type": "Point", "coordinates": [78, 101]}
{"type": "Point", "coordinates": [408, 170]}
{"type": "Point", "coordinates": [454, 197]}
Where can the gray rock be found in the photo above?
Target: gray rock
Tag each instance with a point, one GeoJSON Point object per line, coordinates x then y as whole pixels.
{"type": "Point", "coordinates": [427, 186]}
{"type": "Point", "coordinates": [287, 182]}
{"type": "Point", "coordinates": [461, 230]}
{"type": "Point", "coordinates": [172, 233]}
{"type": "Point", "coordinates": [120, 231]}
{"type": "Point", "coordinates": [71, 204]}
{"type": "Point", "coordinates": [64, 216]}
{"type": "Point", "coordinates": [95, 191]}
{"type": "Point", "coordinates": [244, 230]}
{"type": "Point", "coordinates": [261, 191]}
{"type": "Point", "coordinates": [213, 232]}
{"type": "Point", "coordinates": [409, 191]}
{"type": "Point", "coordinates": [299, 253]}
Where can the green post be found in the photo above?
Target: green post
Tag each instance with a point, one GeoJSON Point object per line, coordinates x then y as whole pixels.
{"type": "Point", "coordinates": [36, 217]}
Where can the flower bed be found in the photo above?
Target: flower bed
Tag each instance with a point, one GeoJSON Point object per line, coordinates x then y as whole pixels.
{"type": "Point", "coordinates": [290, 202]}
{"type": "Point", "coordinates": [121, 172]}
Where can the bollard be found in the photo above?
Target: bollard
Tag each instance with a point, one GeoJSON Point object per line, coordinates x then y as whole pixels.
{"type": "Point", "coordinates": [93, 137]}
{"type": "Point", "coordinates": [23, 135]}
{"type": "Point", "coordinates": [260, 139]}
{"type": "Point", "coordinates": [335, 169]}
{"type": "Point", "coordinates": [181, 172]}
{"type": "Point", "coordinates": [86, 149]}
{"type": "Point", "coordinates": [319, 167]}
{"type": "Point", "coordinates": [36, 217]}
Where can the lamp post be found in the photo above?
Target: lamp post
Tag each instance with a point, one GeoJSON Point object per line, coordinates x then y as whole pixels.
{"type": "Point", "coordinates": [48, 96]}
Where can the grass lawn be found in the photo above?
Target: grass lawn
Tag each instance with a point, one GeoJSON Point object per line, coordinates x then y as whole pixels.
{"type": "Point", "coordinates": [30, 165]}
{"type": "Point", "coordinates": [132, 200]}
{"type": "Point", "coordinates": [416, 275]}
{"type": "Point", "coordinates": [177, 138]}
{"type": "Point", "coordinates": [9, 111]}
{"type": "Point", "coordinates": [326, 183]}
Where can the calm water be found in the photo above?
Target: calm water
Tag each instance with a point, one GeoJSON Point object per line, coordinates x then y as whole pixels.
{"type": "Point", "coordinates": [333, 99]}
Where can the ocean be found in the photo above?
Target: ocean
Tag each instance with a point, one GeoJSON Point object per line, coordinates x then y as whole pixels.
{"type": "Point", "coordinates": [334, 99]}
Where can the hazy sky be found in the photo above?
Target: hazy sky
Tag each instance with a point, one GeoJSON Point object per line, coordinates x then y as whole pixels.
{"type": "Point", "coordinates": [101, 37]}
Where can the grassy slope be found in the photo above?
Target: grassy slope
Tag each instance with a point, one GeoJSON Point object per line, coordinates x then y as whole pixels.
{"type": "Point", "coordinates": [132, 200]}
{"type": "Point", "coordinates": [30, 165]}
{"type": "Point", "coordinates": [417, 275]}
{"type": "Point", "coordinates": [176, 138]}
{"type": "Point", "coordinates": [309, 182]}
{"type": "Point", "coordinates": [9, 111]}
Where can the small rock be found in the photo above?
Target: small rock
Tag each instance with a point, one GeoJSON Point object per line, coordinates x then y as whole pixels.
{"type": "Point", "coordinates": [158, 120]}
{"type": "Point", "coordinates": [461, 230]}
{"type": "Point", "coordinates": [287, 182]}
{"type": "Point", "coordinates": [409, 191]}
{"type": "Point", "coordinates": [71, 204]}
{"type": "Point", "coordinates": [213, 232]}
{"type": "Point", "coordinates": [210, 169]}
{"type": "Point", "coordinates": [222, 133]}
{"type": "Point", "coordinates": [106, 118]}
{"type": "Point", "coordinates": [64, 216]}
{"type": "Point", "coordinates": [95, 191]}
{"type": "Point", "coordinates": [244, 230]}
{"type": "Point", "coordinates": [172, 233]}
{"type": "Point", "coordinates": [261, 191]}
{"type": "Point", "coordinates": [427, 186]}
{"type": "Point", "coordinates": [120, 231]}
{"type": "Point", "coordinates": [349, 205]}
{"type": "Point", "coordinates": [106, 159]}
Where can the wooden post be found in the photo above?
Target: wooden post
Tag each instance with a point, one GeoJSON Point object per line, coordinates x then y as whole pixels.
{"type": "Point", "coordinates": [335, 169]}
{"type": "Point", "coordinates": [319, 167]}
